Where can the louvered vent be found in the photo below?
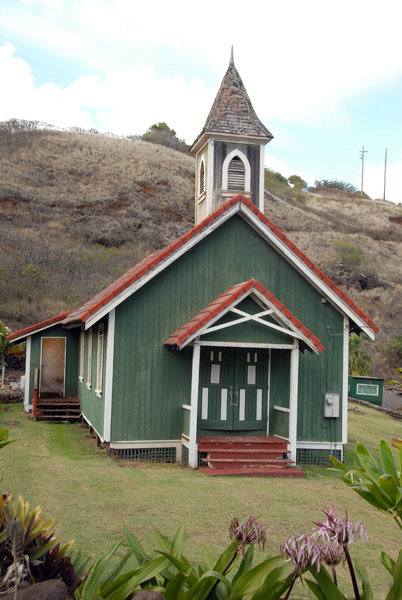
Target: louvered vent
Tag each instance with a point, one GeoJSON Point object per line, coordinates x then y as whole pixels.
{"type": "Point", "coordinates": [202, 178]}
{"type": "Point", "coordinates": [236, 174]}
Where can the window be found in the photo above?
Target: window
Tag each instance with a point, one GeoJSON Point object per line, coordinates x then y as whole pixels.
{"type": "Point", "coordinates": [202, 178]}
{"type": "Point", "coordinates": [99, 360]}
{"type": "Point", "coordinates": [236, 174]}
{"type": "Point", "coordinates": [82, 350]}
{"type": "Point", "coordinates": [89, 363]}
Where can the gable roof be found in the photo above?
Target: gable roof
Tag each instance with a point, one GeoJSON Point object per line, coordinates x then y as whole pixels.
{"type": "Point", "coordinates": [228, 300]}
{"type": "Point", "coordinates": [232, 112]}
{"type": "Point", "coordinates": [128, 283]}
{"type": "Point", "coordinates": [37, 327]}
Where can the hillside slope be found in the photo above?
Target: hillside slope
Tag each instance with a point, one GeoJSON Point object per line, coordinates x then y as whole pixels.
{"type": "Point", "coordinates": [78, 209]}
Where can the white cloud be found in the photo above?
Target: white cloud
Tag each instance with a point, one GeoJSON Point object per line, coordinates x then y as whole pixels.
{"type": "Point", "coordinates": [373, 183]}
{"type": "Point", "coordinates": [23, 100]}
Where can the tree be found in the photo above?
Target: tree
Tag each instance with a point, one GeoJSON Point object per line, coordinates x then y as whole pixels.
{"type": "Point", "coordinates": [4, 343]}
{"type": "Point", "coordinates": [359, 361]}
{"type": "Point", "coordinates": [335, 184]}
{"type": "Point", "coordinates": [297, 182]}
{"type": "Point", "coordinates": [160, 133]}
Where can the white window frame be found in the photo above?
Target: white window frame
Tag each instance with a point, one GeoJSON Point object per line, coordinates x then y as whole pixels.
{"type": "Point", "coordinates": [99, 359]}
{"type": "Point", "coordinates": [202, 178]}
{"type": "Point", "coordinates": [82, 357]}
{"type": "Point", "coordinates": [225, 170]}
{"type": "Point", "coordinates": [89, 360]}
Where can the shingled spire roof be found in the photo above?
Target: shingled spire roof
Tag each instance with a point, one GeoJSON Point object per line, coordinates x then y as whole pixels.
{"type": "Point", "coordinates": [232, 112]}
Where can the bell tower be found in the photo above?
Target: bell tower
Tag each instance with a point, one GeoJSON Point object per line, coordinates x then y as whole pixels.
{"type": "Point", "coordinates": [230, 149]}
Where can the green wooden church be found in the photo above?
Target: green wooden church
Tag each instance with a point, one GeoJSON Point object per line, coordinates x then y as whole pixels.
{"type": "Point", "coordinates": [228, 348]}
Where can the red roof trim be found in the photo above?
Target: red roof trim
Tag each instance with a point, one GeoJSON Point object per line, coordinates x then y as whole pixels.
{"type": "Point", "coordinates": [37, 326]}
{"type": "Point", "coordinates": [227, 299]}
{"type": "Point", "coordinates": [155, 259]}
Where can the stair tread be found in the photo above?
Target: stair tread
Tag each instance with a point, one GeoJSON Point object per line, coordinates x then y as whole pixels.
{"type": "Point", "coordinates": [247, 460]}
{"type": "Point", "coordinates": [245, 450]}
{"type": "Point", "coordinates": [254, 472]}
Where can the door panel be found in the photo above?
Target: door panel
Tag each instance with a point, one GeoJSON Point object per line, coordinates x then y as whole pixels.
{"type": "Point", "coordinates": [216, 373]}
{"type": "Point", "coordinates": [52, 367]}
{"type": "Point", "coordinates": [233, 389]}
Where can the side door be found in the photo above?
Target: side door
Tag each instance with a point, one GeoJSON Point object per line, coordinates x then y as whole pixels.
{"type": "Point", "coordinates": [52, 371]}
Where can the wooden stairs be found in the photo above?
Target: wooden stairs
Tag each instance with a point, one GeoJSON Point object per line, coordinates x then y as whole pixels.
{"type": "Point", "coordinates": [57, 410]}
{"type": "Point", "coordinates": [247, 456]}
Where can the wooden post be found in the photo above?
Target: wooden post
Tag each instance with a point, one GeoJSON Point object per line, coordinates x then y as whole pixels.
{"type": "Point", "coordinates": [35, 391]}
{"type": "Point", "coordinates": [193, 449]}
{"type": "Point", "coordinates": [294, 384]}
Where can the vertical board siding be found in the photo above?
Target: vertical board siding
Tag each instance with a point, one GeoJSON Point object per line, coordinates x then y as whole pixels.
{"type": "Point", "coordinates": [92, 406]}
{"type": "Point", "coordinates": [150, 383]}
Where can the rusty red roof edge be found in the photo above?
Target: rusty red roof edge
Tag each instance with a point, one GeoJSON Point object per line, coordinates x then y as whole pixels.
{"type": "Point", "coordinates": [37, 326]}
{"type": "Point", "coordinates": [227, 299]}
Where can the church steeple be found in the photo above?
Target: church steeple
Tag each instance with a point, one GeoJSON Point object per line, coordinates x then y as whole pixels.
{"type": "Point", "coordinates": [230, 148]}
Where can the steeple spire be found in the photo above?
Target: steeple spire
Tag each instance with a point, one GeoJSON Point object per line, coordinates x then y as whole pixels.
{"type": "Point", "coordinates": [231, 62]}
{"type": "Point", "coordinates": [230, 149]}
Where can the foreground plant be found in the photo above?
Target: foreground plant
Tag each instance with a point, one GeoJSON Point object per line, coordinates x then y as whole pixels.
{"type": "Point", "coordinates": [29, 550]}
{"type": "Point", "coordinates": [379, 482]}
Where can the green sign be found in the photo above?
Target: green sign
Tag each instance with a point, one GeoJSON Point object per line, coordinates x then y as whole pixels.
{"type": "Point", "coordinates": [367, 389]}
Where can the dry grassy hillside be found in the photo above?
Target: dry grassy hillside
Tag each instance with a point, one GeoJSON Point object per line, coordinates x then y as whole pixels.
{"type": "Point", "coordinates": [78, 209]}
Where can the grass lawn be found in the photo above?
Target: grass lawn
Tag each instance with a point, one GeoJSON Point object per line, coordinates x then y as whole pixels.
{"type": "Point", "coordinates": [92, 496]}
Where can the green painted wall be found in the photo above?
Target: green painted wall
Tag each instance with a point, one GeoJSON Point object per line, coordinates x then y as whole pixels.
{"type": "Point", "coordinates": [150, 383]}
{"type": "Point", "coordinates": [71, 357]}
{"type": "Point", "coordinates": [91, 405]}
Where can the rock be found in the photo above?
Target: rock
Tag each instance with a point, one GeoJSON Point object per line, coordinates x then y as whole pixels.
{"type": "Point", "coordinates": [148, 595]}
{"type": "Point", "coordinates": [52, 589]}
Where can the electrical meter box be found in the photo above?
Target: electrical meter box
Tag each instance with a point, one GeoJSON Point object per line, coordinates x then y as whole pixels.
{"type": "Point", "coordinates": [331, 406]}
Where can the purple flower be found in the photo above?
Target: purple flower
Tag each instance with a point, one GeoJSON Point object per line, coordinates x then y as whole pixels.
{"type": "Point", "coordinates": [247, 533]}
{"type": "Point", "coordinates": [332, 554]}
{"type": "Point", "coordinates": [340, 530]}
{"type": "Point", "coordinates": [303, 551]}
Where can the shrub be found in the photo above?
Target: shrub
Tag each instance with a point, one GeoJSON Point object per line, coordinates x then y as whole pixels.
{"type": "Point", "coordinates": [349, 254]}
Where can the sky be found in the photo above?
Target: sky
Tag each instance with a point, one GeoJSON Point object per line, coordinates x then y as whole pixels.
{"type": "Point", "coordinates": [324, 77]}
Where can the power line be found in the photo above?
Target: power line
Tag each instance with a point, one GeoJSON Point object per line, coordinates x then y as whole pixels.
{"type": "Point", "coordinates": [312, 160]}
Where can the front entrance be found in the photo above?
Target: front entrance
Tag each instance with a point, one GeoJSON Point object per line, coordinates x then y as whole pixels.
{"type": "Point", "coordinates": [233, 389]}
{"type": "Point", "coordinates": [52, 369]}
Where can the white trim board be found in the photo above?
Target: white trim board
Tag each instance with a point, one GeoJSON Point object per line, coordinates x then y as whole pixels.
{"type": "Point", "coordinates": [107, 416]}
{"type": "Point", "coordinates": [94, 428]}
{"type": "Point", "coordinates": [248, 345]}
{"type": "Point", "coordinates": [145, 444]}
{"type": "Point", "coordinates": [27, 405]}
{"type": "Point", "coordinates": [270, 237]}
{"type": "Point", "coordinates": [319, 445]}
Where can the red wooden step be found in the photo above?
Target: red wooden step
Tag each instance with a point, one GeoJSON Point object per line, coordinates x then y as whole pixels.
{"type": "Point", "coordinates": [222, 463]}
{"type": "Point", "coordinates": [216, 453]}
{"type": "Point", "coordinates": [209, 442]}
{"type": "Point", "coordinates": [253, 472]}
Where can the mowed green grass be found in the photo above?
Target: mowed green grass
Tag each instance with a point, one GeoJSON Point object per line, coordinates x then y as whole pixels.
{"type": "Point", "coordinates": [92, 497]}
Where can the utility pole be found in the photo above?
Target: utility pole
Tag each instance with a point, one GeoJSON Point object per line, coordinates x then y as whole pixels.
{"type": "Point", "coordinates": [385, 173]}
{"type": "Point", "coordinates": [362, 153]}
